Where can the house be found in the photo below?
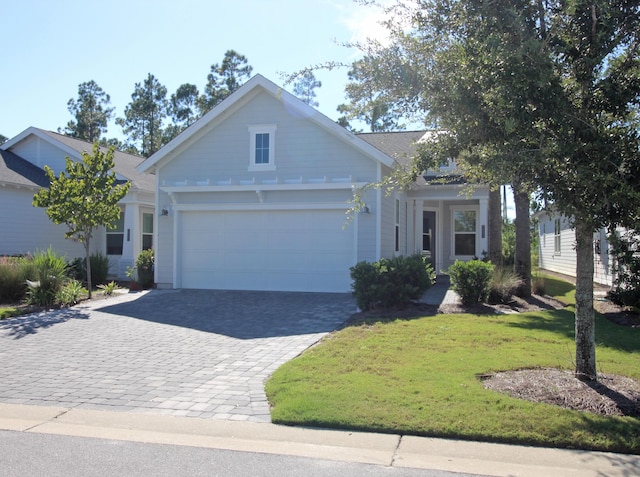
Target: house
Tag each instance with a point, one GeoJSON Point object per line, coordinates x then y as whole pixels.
{"type": "Point", "coordinates": [254, 195]}
{"type": "Point", "coordinates": [557, 251]}
{"type": "Point", "coordinates": [26, 228]}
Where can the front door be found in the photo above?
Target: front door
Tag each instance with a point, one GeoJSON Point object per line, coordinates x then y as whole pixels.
{"type": "Point", "coordinates": [429, 237]}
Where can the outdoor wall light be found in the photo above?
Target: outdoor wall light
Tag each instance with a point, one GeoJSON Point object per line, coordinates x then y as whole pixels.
{"type": "Point", "coordinates": [164, 212]}
{"type": "Point", "coordinates": [365, 209]}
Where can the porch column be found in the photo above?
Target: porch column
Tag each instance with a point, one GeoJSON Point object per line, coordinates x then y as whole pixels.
{"type": "Point", "coordinates": [483, 237]}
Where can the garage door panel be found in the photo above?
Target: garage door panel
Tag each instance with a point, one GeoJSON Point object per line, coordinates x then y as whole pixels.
{"type": "Point", "coordinates": [266, 250]}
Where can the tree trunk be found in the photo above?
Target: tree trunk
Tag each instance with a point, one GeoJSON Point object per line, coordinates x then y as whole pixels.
{"type": "Point", "coordinates": [585, 316]}
{"type": "Point", "coordinates": [88, 255]}
{"type": "Point", "coordinates": [495, 228]}
{"type": "Point", "coordinates": [522, 266]}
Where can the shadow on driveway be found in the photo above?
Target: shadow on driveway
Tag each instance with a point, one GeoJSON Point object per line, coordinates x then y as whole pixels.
{"type": "Point", "coordinates": [241, 314]}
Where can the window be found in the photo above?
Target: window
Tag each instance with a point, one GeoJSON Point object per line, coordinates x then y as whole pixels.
{"type": "Point", "coordinates": [115, 236]}
{"type": "Point", "coordinates": [147, 231]}
{"type": "Point", "coordinates": [397, 226]}
{"type": "Point", "coordinates": [262, 146]}
{"type": "Point", "coordinates": [464, 232]}
{"type": "Point", "coordinates": [556, 238]}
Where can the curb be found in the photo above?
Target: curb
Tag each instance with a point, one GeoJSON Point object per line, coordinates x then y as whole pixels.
{"type": "Point", "coordinates": [356, 447]}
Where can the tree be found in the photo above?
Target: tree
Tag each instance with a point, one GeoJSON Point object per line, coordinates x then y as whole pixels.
{"type": "Point", "coordinates": [224, 79]}
{"type": "Point", "coordinates": [84, 197]}
{"type": "Point", "coordinates": [144, 116]}
{"type": "Point", "coordinates": [305, 86]}
{"type": "Point", "coordinates": [367, 101]}
{"type": "Point", "coordinates": [91, 113]}
{"type": "Point", "coordinates": [542, 92]}
{"type": "Point", "coordinates": [183, 110]}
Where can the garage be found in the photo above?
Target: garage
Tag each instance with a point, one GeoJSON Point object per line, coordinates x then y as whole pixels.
{"type": "Point", "coordinates": [275, 250]}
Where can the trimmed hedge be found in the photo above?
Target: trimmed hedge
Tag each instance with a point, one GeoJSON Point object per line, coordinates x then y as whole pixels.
{"type": "Point", "coordinates": [471, 280]}
{"type": "Point", "coordinates": [391, 282]}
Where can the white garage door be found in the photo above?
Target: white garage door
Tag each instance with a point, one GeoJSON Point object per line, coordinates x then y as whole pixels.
{"type": "Point", "coordinates": [266, 250]}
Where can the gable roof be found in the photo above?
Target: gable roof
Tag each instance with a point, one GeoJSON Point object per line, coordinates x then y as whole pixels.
{"type": "Point", "coordinates": [251, 88]}
{"type": "Point", "coordinates": [124, 164]}
{"type": "Point", "coordinates": [15, 170]}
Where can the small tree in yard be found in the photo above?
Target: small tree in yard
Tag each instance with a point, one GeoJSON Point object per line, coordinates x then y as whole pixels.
{"type": "Point", "coordinates": [84, 197]}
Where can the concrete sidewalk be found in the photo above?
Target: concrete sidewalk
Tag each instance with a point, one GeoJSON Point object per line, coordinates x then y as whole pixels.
{"type": "Point", "coordinates": [369, 448]}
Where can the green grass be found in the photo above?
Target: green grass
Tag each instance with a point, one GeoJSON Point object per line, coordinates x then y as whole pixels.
{"type": "Point", "coordinates": [420, 376]}
{"type": "Point", "coordinates": [9, 312]}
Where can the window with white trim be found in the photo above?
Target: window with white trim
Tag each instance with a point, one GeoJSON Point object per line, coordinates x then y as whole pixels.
{"type": "Point", "coordinates": [557, 238]}
{"type": "Point", "coordinates": [147, 231]}
{"type": "Point", "coordinates": [262, 142]}
{"type": "Point", "coordinates": [464, 232]}
{"type": "Point", "coordinates": [115, 236]}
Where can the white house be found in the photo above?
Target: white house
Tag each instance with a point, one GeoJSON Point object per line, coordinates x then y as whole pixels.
{"type": "Point", "coordinates": [253, 196]}
{"type": "Point", "coordinates": [25, 228]}
{"type": "Point", "coordinates": [558, 252]}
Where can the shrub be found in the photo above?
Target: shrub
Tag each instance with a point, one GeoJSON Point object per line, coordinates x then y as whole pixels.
{"type": "Point", "coordinates": [144, 267]}
{"type": "Point", "coordinates": [70, 293]}
{"type": "Point", "coordinates": [625, 249]}
{"type": "Point", "coordinates": [109, 288]}
{"type": "Point", "coordinates": [538, 285]}
{"type": "Point", "coordinates": [77, 269]}
{"type": "Point", "coordinates": [390, 282]}
{"type": "Point", "coordinates": [503, 285]}
{"type": "Point", "coordinates": [46, 275]}
{"type": "Point", "coordinates": [12, 280]}
{"type": "Point", "coordinates": [471, 280]}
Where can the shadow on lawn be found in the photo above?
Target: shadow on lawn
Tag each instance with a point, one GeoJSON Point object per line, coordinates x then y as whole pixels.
{"type": "Point", "coordinates": [25, 325]}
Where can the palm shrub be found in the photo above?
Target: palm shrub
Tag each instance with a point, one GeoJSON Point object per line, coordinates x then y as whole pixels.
{"type": "Point", "coordinates": [47, 274]}
{"type": "Point", "coordinates": [390, 282]}
{"type": "Point", "coordinates": [471, 280]}
{"type": "Point", "coordinates": [70, 293]}
{"type": "Point", "coordinates": [503, 285]}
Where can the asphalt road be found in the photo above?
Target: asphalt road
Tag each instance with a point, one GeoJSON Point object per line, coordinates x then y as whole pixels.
{"type": "Point", "coordinates": [25, 454]}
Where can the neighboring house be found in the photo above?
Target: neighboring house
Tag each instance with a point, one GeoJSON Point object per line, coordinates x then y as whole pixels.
{"type": "Point", "coordinates": [253, 196]}
{"type": "Point", "coordinates": [558, 251]}
{"type": "Point", "coordinates": [26, 228]}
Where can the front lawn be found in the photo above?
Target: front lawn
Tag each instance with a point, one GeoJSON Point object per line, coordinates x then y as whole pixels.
{"type": "Point", "coordinates": [421, 376]}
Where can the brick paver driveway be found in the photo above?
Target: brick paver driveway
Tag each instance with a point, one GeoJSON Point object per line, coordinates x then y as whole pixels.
{"type": "Point", "coordinates": [180, 352]}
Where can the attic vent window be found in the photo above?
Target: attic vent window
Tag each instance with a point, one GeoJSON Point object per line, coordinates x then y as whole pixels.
{"type": "Point", "coordinates": [262, 147]}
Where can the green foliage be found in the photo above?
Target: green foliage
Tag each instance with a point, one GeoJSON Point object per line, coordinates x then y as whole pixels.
{"type": "Point", "coordinates": [391, 282]}
{"type": "Point", "coordinates": [85, 196]}
{"type": "Point", "coordinates": [109, 288]}
{"type": "Point", "coordinates": [224, 79]}
{"type": "Point", "coordinates": [144, 268]}
{"type": "Point", "coordinates": [625, 251]}
{"type": "Point", "coordinates": [419, 376]}
{"type": "Point", "coordinates": [144, 116]}
{"type": "Point", "coordinates": [508, 242]}
{"type": "Point", "coordinates": [504, 284]}
{"type": "Point", "coordinates": [77, 268]}
{"type": "Point", "coordinates": [70, 293]}
{"type": "Point", "coordinates": [48, 275]}
{"type": "Point", "coordinates": [91, 113]}
{"type": "Point", "coordinates": [12, 279]}
{"type": "Point", "coordinates": [304, 88]}
{"type": "Point", "coordinates": [471, 280]}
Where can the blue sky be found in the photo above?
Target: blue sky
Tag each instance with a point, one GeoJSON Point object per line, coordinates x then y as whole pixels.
{"type": "Point", "coordinates": [50, 47]}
